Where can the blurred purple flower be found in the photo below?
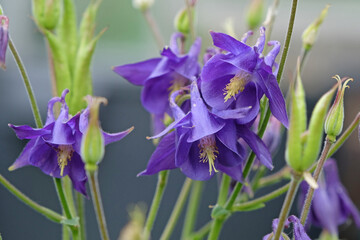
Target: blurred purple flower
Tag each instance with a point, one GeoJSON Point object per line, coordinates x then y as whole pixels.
{"type": "Point", "coordinates": [203, 143]}
{"type": "Point", "coordinates": [233, 83]}
{"type": "Point", "coordinates": [4, 38]}
{"type": "Point", "coordinates": [331, 205]}
{"type": "Point", "coordinates": [299, 231]}
{"type": "Point", "coordinates": [163, 76]}
{"type": "Point", "coordinates": [55, 148]}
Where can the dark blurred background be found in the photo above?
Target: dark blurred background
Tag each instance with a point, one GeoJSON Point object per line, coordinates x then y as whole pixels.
{"type": "Point", "coordinates": [127, 40]}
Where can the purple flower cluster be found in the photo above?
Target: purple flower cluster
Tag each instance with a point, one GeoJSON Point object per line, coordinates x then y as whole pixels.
{"type": "Point", "coordinates": [213, 108]}
{"type": "Point", "coordinates": [55, 148]}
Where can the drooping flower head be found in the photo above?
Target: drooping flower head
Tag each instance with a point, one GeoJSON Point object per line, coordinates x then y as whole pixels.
{"type": "Point", "coordinates": [202, 143]}
{"type": "Point", "coordinates": [55, 148]}
{"type": "Point", "coordinates": [4, 38]}
{"type": "Point", "coordinates": [299, 231]}
{"type": "Point", "coordinates": [233, 83]}
{"type": "Point", "coordinates": [331, 205]}
{"type": "Point", "coordinates": [163, 76]}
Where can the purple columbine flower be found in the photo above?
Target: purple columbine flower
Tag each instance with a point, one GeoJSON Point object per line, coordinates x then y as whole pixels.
{"type": "Point", "coordinates": [233, 83]}
{"type": "Point", "coordinates": [163, 76]}
{"type": "Point", "coordinates": [4, 38]}
{"type": "Point", "coordinates": [299, 231]}
{"type": "Point", "coordinates": [331, 205]}
{"type": "Point", "coordinates": [55, 148]}
{"type": "Point", "coordinates": [203, 143]}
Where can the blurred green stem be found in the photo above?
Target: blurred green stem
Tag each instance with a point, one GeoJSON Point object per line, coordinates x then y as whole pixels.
{"type": "Point", "coordinates": [154, 28]}
{"type": "Point", "coordinates": [161, 184]}
{"type": "Point", "coordinates": [192, 209]}
{"type": "Point", "coordinates": [179, 205]}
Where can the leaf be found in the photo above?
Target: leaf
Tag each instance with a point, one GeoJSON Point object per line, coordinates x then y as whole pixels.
{"type": "Point", "coordinates": [219, 211]}
{"type": "Point", "coordinates": [248, 208]}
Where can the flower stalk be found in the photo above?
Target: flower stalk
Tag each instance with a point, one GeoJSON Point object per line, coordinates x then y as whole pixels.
{"type": "Point", "coordinates": [319, 167]}
{"type": "Point", "coordinates": [289, 199]}
{"type": "Point", "coordinates": [48, 213]}
{"type": "Point", "coordinates": [179, 205]}
{"type": "Point", "coordinates": [161, 184]}
{"type": "Point", "coordinates": [96, 197]}
{"type": "Point", "coordinates": [192, 209]}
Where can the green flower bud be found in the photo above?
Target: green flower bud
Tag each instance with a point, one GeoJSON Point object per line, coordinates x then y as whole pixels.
{"type": "Point", "coordinates": [182, 21]}
{"type": "Point", "coordinates": [335, 118]}
{"type": "Point", "coordinates": [328, 236]}
{"type": "Point", "coordinates": [47, 13]}
{"type": "Point", "coordinates": [92, 144]}
{"type": "Point", "coordinates": [133, 229]}
{"type": "Point", "coordinates": [310, 33]}
{"type": "Point", "coordinates": [142, 4]}
{"type": "Point", "coordinates": [255, 14]}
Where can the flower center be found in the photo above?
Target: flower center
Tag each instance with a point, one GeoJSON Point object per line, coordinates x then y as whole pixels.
{"type": "Point", "coordinates": [208, 151]}
{"type": "Point", "coordinates": [236, 85]}
{"type": "Point", "coordinates": [177, 83]}
{"type": "Point", "coordinates": [64, 154]}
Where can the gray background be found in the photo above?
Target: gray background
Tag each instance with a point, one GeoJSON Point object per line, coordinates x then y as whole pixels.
{"type": "Point", "coordinates": [129, 40]}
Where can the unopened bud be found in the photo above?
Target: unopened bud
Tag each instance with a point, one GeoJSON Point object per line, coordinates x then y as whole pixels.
{"type": "Point", "coordinates": [335, 118]}
{"type": "Point", "coordinates": [133, 230]}
{"type": "Point", "coordinates": [182, 20]}
{"type": "Point", "coordinates": [92, 144]}
{"type": "Point", "coordinates": [47, 13]}
{"type": "Point", "coordinates": [255, 14]}
{"type": "Point", "coordinates": [142, 4]}
{"type": "Point", "coordinates": [4, 38]}
{"type": "Point", "coordinates": [310, 33]}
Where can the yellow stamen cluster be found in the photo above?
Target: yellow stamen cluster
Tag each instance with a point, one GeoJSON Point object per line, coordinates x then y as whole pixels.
{"type": "Point", "coordinates": [236, 85]}
{"type": "Point", "coordinates": [64, 154]}
{"type": "Point", "coordinates": [208, 152]}
{"type": "Point", "coordinates": [177, 84]}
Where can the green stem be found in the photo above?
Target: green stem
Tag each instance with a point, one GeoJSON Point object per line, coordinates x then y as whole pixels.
{"type": "Point", "coordinates": [48, 213]}
{"type": "Point", "coordinates": [192, 209]}
{"type": "Point", "coordinates": [179, 205]}
{"type": "Point", "coordinates": [274, 178]}
{"type": "Point", "coordinates": [202, 232]}
{"type": "Point", "coordinates": [255, 182]}
{"type": "Point", "coordinates": [66, 208]}
{"type": "Point", "coordinates": [287, 40]}
{"type": "Point", "coordinates": [65, 233]}
{"type": "Point", "coordinates": [81, 213]}
{"type": "Point", "coordinates": [96, 197]}
{"type": "Point", "coordinates": [310, 193]}
{"type": "Point", "coordinates": [28, 87]}
{"type": "Point", "coordinates": [67, 185]}
{"type": "Point", "coordinates": [289, 199]}
{"type": "Point", "coordinates": [340, 141]}
{"type": "Point", "coordinates": [154, 28]}
{"type": "Point", "coordinates": [161, 184]}
{"type": "Point", "coordinates": [224, 190]}
{"type": "Point", "coordinates": [270, 196]}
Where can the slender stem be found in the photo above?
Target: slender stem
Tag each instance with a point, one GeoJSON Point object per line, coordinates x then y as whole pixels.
{"type": "Point", "coordinates": [202, 232]}
{"type": "Point", "coordinates": [154, 28]}
{"type": "Point", "coordinates": [179, 205]}
{"type": "Point", "coordinates": [161, 184]}
{"type": "Point", "coordinates": [274, 178]}
{"type": "Point", "coordinates": [192, 209]}
{"type": "Point", "coordinates": [224, 189]}
{"type": "Point", "coordinates": [65, 233]}
{"type": "Point", "coordinates": [310, 193]}
{"type": "Point", "coordinates": [340, 141]}
{"type": "Point", "coordinates": [289, 199]}
{"type": "Point", "coordinates": [28, 87]}
{"type": "Point", "coordinates": [191, 19]}
{"type": "Point", "coordinates": [81, 213]}
{"type": "Point", "coordinates": [96, 197]}
{"type": "Point", "coordinates": [270, 21]}
{"type": "Point", "coordinates": [270, 196]}
{"type": "Point", "coordinates": [258, 176]}
{"type": "Point", "coordinates": [67, 185]}
{"type": "Point", "coordinates": [287, 40]}
{"type": "Point", "coordinates": [48, 213]}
